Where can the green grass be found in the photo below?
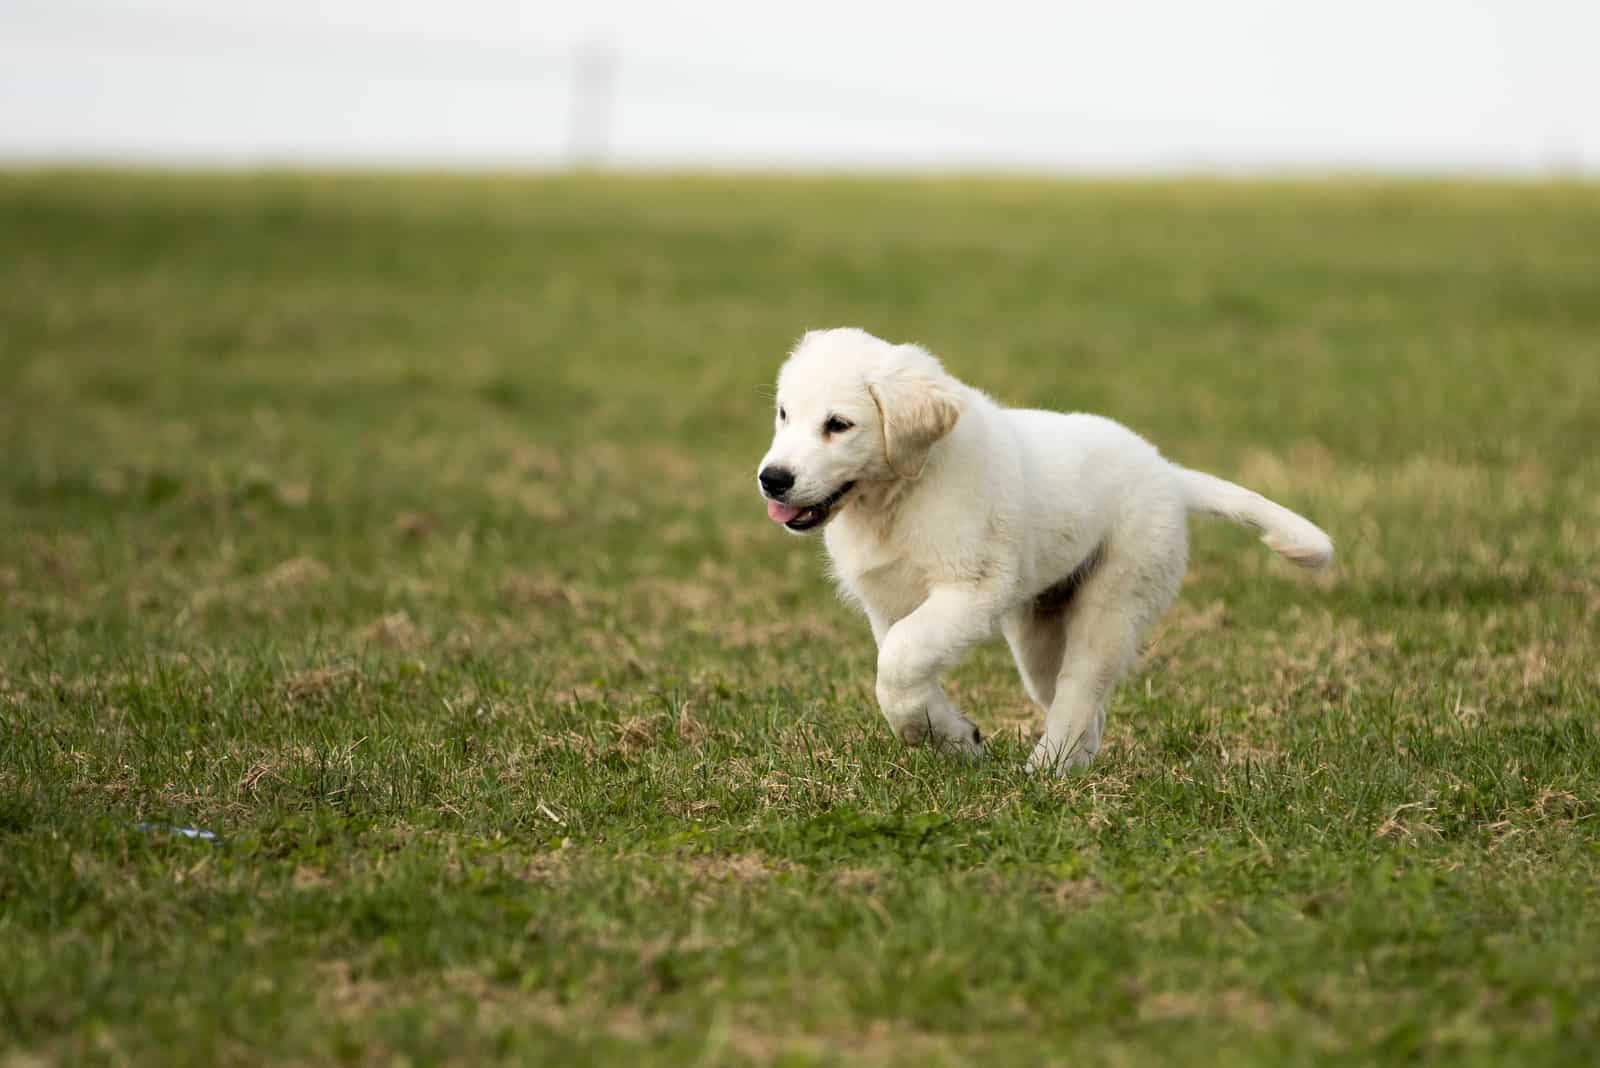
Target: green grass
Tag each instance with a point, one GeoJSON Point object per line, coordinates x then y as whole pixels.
{"type": "Point", "coordinates": [402, 531]}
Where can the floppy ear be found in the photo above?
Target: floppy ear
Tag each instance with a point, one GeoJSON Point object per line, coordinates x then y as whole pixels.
{"type": "Point", "coordinates": [917, 405]}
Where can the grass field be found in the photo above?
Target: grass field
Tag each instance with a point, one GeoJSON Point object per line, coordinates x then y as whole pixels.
{"type": "Point", "coordinates": [402, 532]}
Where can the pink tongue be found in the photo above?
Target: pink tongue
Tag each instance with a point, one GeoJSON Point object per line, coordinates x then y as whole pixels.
{"type": "Point", "coordinates": [780, 513]}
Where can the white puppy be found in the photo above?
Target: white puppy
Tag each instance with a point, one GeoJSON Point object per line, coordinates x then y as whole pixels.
{"type": "Point", "coordinates": [948, 516]}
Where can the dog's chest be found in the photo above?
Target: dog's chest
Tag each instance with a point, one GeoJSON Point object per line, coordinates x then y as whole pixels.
{"type": "Point", "coordinates": [887, 583]}
{"type": "Point", "coordinates": [893, 591]}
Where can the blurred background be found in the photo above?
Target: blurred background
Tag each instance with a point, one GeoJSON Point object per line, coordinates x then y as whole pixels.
{"type": "Point", "coordinates": [1459, 86]}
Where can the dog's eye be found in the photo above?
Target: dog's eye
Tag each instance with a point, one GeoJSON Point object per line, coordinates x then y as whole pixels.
{"type": "Point", "coordinates": [835, 425]}
{"type": "Point", "coordinates": [783, 416]}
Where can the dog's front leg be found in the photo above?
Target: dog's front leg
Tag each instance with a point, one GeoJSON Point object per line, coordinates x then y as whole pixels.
{"type": "Point", "coordinates": [911, 656]}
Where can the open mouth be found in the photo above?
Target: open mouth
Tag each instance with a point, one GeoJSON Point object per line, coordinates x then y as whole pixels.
{"type": "Point", "coordinates": [806, 518]}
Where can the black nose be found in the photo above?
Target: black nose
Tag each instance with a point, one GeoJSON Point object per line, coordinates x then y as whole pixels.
{"type": "Point", "coordinates": [776, 480]}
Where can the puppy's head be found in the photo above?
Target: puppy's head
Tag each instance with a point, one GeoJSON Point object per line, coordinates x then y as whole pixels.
{"type": "Point", "coordinates": [852, 410]}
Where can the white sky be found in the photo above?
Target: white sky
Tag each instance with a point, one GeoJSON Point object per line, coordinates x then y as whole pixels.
{"type": "Point", "coordinates": [1409, 85]}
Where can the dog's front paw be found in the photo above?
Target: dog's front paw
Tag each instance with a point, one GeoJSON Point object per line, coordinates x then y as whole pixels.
{"type": "Point", "coordinates": [961, 738]}
{"type": "Point", "coordinates": [1055, 758]}
{"type": "Point", "coordinates": [966, 741]}
{"type": "Point", "coordinates": [927, 717]}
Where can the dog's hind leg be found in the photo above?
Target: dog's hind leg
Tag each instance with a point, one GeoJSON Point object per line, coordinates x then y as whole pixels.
{"type": "Point", "coordinates": [1038, 640]}
{"type": "Point", "coordinates": [1037, 631]}
{"type": "Point", "coordinates": [1091, 668]}
{"type": "Point", "coordinates": [1102, 627]}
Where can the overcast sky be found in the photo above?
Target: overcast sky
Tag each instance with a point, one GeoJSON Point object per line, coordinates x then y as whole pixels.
{"type": "Point", "coordinates": [1407, 85]}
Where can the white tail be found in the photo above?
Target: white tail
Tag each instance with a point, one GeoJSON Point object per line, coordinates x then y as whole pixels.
{"type": "Point", "coordinates": [1292, 536]}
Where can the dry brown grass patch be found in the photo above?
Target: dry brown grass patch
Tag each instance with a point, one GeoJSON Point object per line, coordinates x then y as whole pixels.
{"type": "Point", "coordinates": [1234, 1006]}
{"type": "Point", "coordinates": [692, 809]}
{"type": "Point", "coordinates": [761, 1042]}
{"type": "Point", "coordinates": [1553, 804]}
{"type": "Point", "coordinates": [734, 867]}
{"type": "Point", "coordinates": [313, 683]}
{"type": "Point", "coordinates": [578, 693]}
{"type": "Point", "coordinates": [58, 558]}
{"type": "Point", "coordinates": [1181, 625]}
{"type": "Point", "coordinates": [348, 995]}
{"type": "Point", "coordinates": [864, 880]}
{"type": "Point", "coordinates": [297, 573]}
{"type": "Point", "coordinates": [743, 635]}
{"type": "Point", "coordinates": [637, 733]}
{"type": "Point", "coordinates": [414, 526]}
{"type": "Point", "coordinates": [306, 877]}
{"type": "Point", "coordinates": [258, 772]}
{"type": "Point", "coordinates": [1075, 891]}
{"type": "Point", "coordinates": [393, 631]}
{"type": "Point", "coordinates": [1408, 822]}
{"type": "Point", "coordinates": [529, 591]}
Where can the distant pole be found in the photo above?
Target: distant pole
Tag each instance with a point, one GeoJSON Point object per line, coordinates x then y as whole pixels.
{"type": "Point", "coordinates": [594, 90]}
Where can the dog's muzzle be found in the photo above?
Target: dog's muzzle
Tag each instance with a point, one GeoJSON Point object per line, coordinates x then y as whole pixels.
{"type": "Point", "coordinates": [810, 516]}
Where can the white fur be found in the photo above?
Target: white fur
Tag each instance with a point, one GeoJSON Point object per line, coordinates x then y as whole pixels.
{"type": "Point", "coordinates": [967, 517]}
